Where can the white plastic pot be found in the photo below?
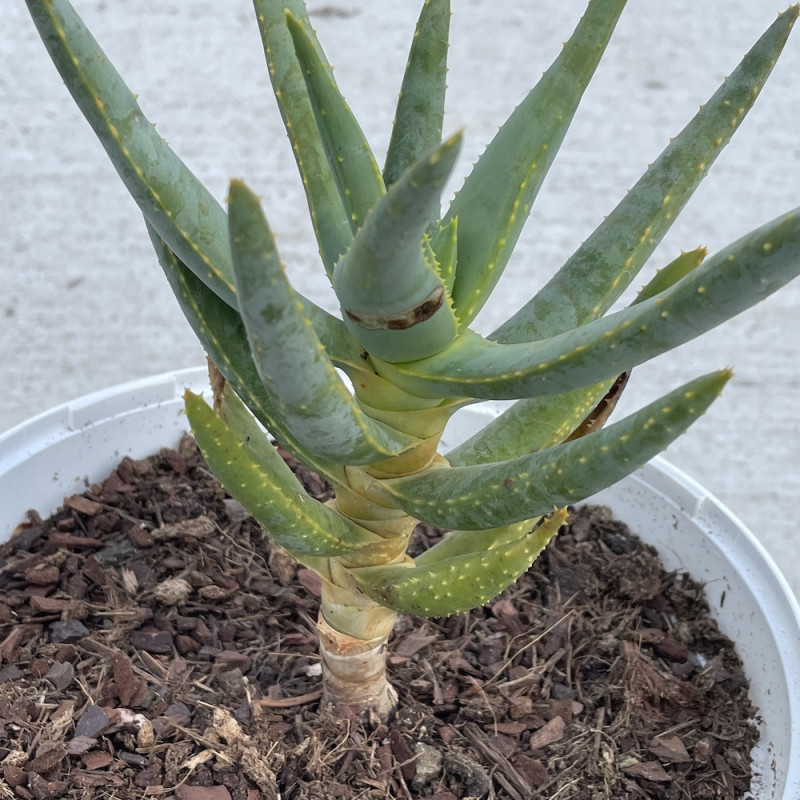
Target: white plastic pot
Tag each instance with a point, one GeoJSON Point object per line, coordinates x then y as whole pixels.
{"type": "Point", "coordinates": [61, 452]}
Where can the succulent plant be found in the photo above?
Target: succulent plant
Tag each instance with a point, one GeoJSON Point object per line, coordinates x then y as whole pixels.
{"type": "Point", "coordinates": [410, 279]}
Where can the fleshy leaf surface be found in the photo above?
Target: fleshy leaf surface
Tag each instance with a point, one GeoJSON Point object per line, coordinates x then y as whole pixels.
{"type": "Point", "coordinates": [462, 543]}
{"type": "Point", "coordinates": [420, 108]}
{"type": "Point", "coordinates": [221, 331]}
{"type": "Point", "coordinates": [392, 297]}
{"type": "Point", "coordinates": [672, 273]}
{"type": "Point", "coordinates": [489, 495]}
{"type": "Point", "coordinates": [331, 221]}
{"type": "Point", "coordinates": [270, 492]}
{"type": "Point", "coordinates": [495, 201]}
{"type": "Point", "coordinates": [730, 281]}
{"type": "Point", "coordinates": [172, 199]}
{"type": "Point", "coordinates": [605, 264]}
{"type": "Point", "coordinates": [306, 392]}
{"type": "Point", "coordinates": [354, 169]}
{"type": "Point", "coordinates": [452, 585]}
{"type": "Point", "coordinates": [532, 424]}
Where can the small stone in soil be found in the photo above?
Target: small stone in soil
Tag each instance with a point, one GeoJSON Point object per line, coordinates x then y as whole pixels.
{"type": "Point", "coordinates": [61, 675]}
{"type": "Point", "coordinates": [155, 642]}
{"type": "Point", "coordinates": [92, 722]}
{"type": "Point", "coordinates": [11, 672]}
{"type": "Point", "coordinates": [67, 631]}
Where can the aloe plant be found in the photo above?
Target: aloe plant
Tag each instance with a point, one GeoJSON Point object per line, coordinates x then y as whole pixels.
{"type": "Point", "coordinates": [410, 277]}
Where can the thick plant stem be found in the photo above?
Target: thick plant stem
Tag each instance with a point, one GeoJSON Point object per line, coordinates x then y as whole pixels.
{"type": "Point", "coordinates": [354, 680]}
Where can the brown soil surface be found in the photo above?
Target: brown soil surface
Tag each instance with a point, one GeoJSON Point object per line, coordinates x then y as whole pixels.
{"type": "Point", "coordinates": [154, 644]}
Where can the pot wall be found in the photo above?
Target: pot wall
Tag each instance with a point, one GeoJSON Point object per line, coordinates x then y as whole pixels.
{"type": "Point", "coordinates": [61, 452]}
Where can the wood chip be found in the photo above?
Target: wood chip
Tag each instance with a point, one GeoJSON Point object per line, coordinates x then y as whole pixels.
{"type": "Point", "coordinates": [48, 605]}
{"type": "Point", "coordinates": [48, 755]}
{"type": "Point", "coordinates": [403, 755]}
{"type": "Point", "coordinates": [157, 642]}
{"type": "Point", "coordinates": [11, 673]}
{"type": "Point", "coordinates": [78, 745]}
{"type": "Point", "coordinates": [413, 643]}
{"type": "Point", "coordinates": [649, 770]}
{"type": "Point", "coordinates": [92, 722]}
{"type": "Point", "coordinates": [202, 793]}
{"type": "Point", "coordinates": [11, 642]}
{"type": "Point", "coordinates": [198, 528]}
{"type": "Point", "coordinates": [310, 580]}
{"type": "Point", "coordinates": [67, 631]}
{"type": "Point", "coordinates": [669, 749]}
{"type": "Point", "coordinates": [140, 537]}
{"type": "Point", "coordinates": [511, 728]}
{"type": "Point", "coordinates": [531, 769]}
{"type": "Point", "coordinates": [128, 685]}
{"type": "Point", "coordinates": [14, 775]}
{"type": "Point", "coordinates": [83, 505]}
{"type": "Point", "coordinates": [232, 659]}
{"type": "Point", "coordinates": [549, 733]}
{"type": "Point", "coordinates": [43, 574]}
{"type": "Point", "coordinates": [673, 650]}
{"type": "Point", "coordinates": [97, 759]}
{"type": "Point", "coordinates": [70, 542]}
{"type": "Point", "coordinates": [95, 571]}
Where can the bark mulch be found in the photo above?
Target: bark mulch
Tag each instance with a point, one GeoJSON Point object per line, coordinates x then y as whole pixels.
{"type": "Point", "coordinates": [154, 644]}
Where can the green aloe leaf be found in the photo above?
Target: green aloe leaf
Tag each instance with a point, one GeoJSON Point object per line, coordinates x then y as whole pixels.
{"type": "Point", "coordinates": [343, 350]}
{"type": "Point", "coordinates": [445, 246]}
{"type": "Point", "coordinates": [222, 333]}
{"type": "Point", "coordinates": [541, 422]}
{"type": "Point", "coordinates": [353, 166]}
{"type": "Point", "coordinates": [727, 283]}
{"type": "Point", "coordinates": [329, 216]}
{"type": "Point", "coordinates": [489, 495]}
{"type": "Point", "coordinates": [455, 584]}
{"type": "Point", "coordinates": [600, 270]}
{"type": "Point", "coordinates": [420, 109]}
{"type": "Point", "coordinates": [672, 273]}
{"type": "Point", "coordinates": [462, 543]}
{"type": "Point", "coordinates": [307, 395]}
{"type": "Point", "coordinates": [266, 487]}
{"type": "Point", "coordinates": [172, 199]}
{"type": "Point", "coordinates": [391, 295]}
{"type": "Point", "coordinates": [532, 424]}
{"type": "Point", "coordinates": [494, 203]}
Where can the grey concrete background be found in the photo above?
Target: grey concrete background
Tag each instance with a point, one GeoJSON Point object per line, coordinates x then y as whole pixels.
{"type": "Point", "coordinates": [84, 305]}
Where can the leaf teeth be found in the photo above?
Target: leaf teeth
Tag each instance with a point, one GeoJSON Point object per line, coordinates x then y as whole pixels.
{"type": "Point", "coordinates": [261, 481]}
{"type": "Point", "coordinates": [487, 495]}
{"type": "Point", "coordinates": [330, 217]}
{"type": "Point", "coordinates": [455, 583]}
{"type": "Point", "coordinates": [171, 198]}
{"type": "Point", "coordinates": [496, 198]}
{"type": "Point", "coordinates": [420, 108]}
{"type": "Point", "coordinates": [724, 285]}
{"type": "Point", "coordinates": [394, 301]}
{"type": "Point", "coordinates": [306, 393]}
{"type": "Point", "coordinates": [599, 271]}
{"type": "Point", "coordinates": [353, 167]}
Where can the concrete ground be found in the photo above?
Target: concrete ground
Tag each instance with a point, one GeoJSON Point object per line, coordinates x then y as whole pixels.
{"type": "Point", "coordinates": [84, 304]}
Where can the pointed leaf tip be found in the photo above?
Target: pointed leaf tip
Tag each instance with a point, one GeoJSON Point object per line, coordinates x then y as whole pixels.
{"type": "Point", "coordinates": [499, 493]}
